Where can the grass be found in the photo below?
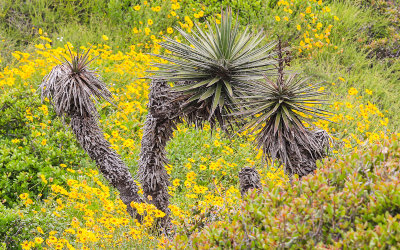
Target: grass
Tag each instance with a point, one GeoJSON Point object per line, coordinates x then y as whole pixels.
{"type": "Point", "coordinates": [354, 65]}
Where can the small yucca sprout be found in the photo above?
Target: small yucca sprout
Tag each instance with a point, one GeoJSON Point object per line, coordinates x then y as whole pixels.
{"type": "Point", "coordinates": [71, 86]}
{"type": "Point", "coordinates": [210, 68]}
{"type": "Point", "coordinates": [279, 108]}
{"type": "Point", "coordinates": [249, 178]}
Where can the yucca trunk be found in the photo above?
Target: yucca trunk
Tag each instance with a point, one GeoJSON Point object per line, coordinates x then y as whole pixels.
{"type": "Point", "coordinates": [303, 161]}
{"type": "Point", "coordinates": [160, 124]}
{"type": "Point", "coordinates": [90, 137]}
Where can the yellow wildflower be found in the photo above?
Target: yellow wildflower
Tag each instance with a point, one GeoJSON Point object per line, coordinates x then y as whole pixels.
{"type": "Point", "coordinates": [353, 91]}
{"type": "Point", "coordinates": [24, 196]}
{"type": "Point", "coordinates": [176, 182]}
{"type": "Point", "coordinates": [40, 230]}
{"type": "Point", "coordinates": [38, 240]}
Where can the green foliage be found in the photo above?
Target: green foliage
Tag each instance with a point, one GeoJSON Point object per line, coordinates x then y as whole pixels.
{"type": "Point", "coordinates": [9, 229]}
{"type": "Point", "coordinates": [281, 102]}
{"type": "Point", "coordinates": [23, 15]}
{"type": "Point", "coordinates": [12, 112]}
{"type": "Point", "coordinates": [248, 10]}
{"type": "Point", "coordinates": [24, 154]}
{"type": "Point", "coordinates": [209, 151]}
{"type": "Point", "coordinates": [13, 228]}
{"type": "Point", "coordinates": [361, 71]}
{"type": "Point", "coordinates": [351, 202]}
{"type": "Point", "coordinates": [19, 224]}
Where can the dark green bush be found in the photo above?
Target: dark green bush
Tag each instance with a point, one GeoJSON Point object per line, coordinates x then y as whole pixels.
{"type": "Point", "coordinates": [352, 202]}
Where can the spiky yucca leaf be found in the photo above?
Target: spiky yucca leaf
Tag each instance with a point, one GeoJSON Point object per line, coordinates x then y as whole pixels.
{"type": "Point", "coordinates": [71, 86]}
{"type": "Point", "coordinates": [278, 109]}
{"type": "Point", "coordinates": [211, 68]}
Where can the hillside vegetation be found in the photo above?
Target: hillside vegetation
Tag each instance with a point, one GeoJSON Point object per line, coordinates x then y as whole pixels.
{"type": "Point", "coordinates": [52, 195]}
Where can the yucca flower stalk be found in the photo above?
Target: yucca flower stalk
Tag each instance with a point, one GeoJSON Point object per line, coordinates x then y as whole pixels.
{"type": "Point", "coordinates": [212, 65]}
{"type": "Point", "coordinates": [279, 109]}
{"type": "Point", "coordinates": [71, 88]}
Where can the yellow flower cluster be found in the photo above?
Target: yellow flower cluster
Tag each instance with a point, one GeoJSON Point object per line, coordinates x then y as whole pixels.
{"type": "Point", "coordinates": [364, 123]}
{"type": "Point", "coordinates": [313, 23]}
{"type": "Point", "coordinates": [98, 219]}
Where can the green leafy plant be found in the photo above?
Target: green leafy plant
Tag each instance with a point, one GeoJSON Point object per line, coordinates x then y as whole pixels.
{"type": "Point", "coordinates": [207, 73]}
{"type": "Point", "coordinates": [350, 203]}
{"type": "Point", "coordinates": [23, 156]}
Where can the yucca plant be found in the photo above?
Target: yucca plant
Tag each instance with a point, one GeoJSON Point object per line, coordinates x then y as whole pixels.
{"type": "Point", "coordinates": [71, 88]}
{"type": "Point", "coordinates": [212, 65]}
{"type": "Point", "coordinates": [278, 109]}
{"type": "Point", "coordinates": [207, 72]}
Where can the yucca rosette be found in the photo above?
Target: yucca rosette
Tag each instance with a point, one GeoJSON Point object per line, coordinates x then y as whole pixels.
{"type": "Point", "coordinates": [71, 86]}
{"type": "Point", "coordinates": [279, 110]}
{"type": "Point", "coordinates": [210, 67]}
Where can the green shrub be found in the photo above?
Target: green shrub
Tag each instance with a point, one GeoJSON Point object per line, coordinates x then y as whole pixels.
{"type": "Point", "coordinates": [12, 227]}
{"type": "Point", "coordinates": [351, 202]}
{"type": "Point", "coordinates": [31, 152]}
{"type": "Point", "coordinates": [20, 224]}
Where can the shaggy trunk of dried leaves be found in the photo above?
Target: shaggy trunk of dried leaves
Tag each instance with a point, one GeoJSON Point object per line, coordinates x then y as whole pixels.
{"type": "Point", "coordinates": [303, 161]}
{"type": "Point", "coordinates": [249, 179]}
{"type": "Point", "coordinates": [158, 130]}
{"type": "Point", "coordinates": [90, 137]}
